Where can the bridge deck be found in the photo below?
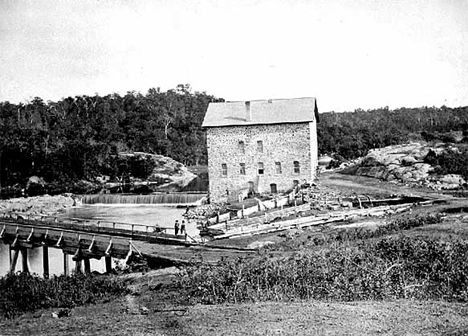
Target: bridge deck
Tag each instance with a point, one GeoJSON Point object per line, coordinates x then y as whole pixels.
{"type": "Point", "coordinates": [91, 239]}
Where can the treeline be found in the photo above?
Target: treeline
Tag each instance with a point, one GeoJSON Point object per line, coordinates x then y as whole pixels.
{"type": "Point", "coordinates": [351, 135]}
{"type": "Point", "coordinates": [79, 137]}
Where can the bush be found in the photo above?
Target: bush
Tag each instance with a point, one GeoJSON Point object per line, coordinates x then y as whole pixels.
{"type": "Point", "coordinates": [449, 162]}
{"type": "Point", "coordinates": [23, 292]}
{"type": "Point", "coordinates": [354, 234]}
{"type": "Point", "coordinates": [393, 268]}
{"type": "Point", "coordinates": [336, 162]}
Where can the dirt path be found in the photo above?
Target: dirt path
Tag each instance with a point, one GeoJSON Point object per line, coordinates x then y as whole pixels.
{"type": "Point", "coordinates": [319, 318]}
{"type": "Point", "coordinates": [402, 317]}
{"type": "Point", "coordinates": [350, 184]}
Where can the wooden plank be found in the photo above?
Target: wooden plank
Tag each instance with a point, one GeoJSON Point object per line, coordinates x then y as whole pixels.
{"type": "Point", "coordinates": [311, 221]}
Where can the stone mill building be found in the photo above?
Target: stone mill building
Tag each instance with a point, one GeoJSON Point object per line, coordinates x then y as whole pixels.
{"type": "Point", "coordinates": [261, 146]}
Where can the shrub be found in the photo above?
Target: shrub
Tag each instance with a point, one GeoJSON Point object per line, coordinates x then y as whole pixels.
{"type": "Point", "coordinates": [449, 162]}
{"type": "Point", "coordinates": [393, 268]}
{"type": "Point", "coordinates": [23, 292]}
{"type": "Point", "coordinates": [354, 234]}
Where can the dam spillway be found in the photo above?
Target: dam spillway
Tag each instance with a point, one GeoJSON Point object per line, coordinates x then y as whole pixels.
{"type": "Point", "coordinates": [159, 198]}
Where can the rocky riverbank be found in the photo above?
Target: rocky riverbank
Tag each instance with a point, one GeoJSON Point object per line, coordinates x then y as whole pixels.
{"type": "Point", "coordinates": [406, 164]}
{"type": "Point", "coordinates": [167, 175]}
{"type": "Point", "coordinates": [38, 205]}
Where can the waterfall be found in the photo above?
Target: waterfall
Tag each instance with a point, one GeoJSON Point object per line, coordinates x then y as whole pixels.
{"type": "Point", "coordinates": [166, 198]}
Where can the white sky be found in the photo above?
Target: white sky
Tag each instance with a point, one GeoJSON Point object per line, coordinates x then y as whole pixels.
{"type": "Point", "coordinates": [347, 53]}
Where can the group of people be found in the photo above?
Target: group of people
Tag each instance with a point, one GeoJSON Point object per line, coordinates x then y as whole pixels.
{"type": "Point", "coordinates": [180, 227]}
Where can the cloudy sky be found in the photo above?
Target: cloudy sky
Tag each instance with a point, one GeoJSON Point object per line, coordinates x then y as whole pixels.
{"type": "Point", "coordinates": [348, 54]}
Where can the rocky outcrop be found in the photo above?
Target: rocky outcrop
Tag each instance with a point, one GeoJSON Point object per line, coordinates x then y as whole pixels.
{"type": "Point", "coordinates": [38, 205]}
{"type": "Point", "coordinates": [405, 163]}
{"type": "Point", "coordinates": [172, 171]}
{"type": "Point", "coordinates": [167, 175]}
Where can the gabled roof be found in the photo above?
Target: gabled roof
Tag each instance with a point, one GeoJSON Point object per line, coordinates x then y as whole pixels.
{"type": "Point", "coordinates": [260, 112]}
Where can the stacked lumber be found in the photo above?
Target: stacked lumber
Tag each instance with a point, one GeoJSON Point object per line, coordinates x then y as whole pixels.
{"type": "Point", "coordinates": [257, 226]}
{"type": "Point", "coordinates": [266, 218]}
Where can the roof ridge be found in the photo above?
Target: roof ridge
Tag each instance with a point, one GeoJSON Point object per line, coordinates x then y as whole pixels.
{"type": "Point", "coordinates": [264, 111]}
{"type": "Point", "coordinates": [260, 100]}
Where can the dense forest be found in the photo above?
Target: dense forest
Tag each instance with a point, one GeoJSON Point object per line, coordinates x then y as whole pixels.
{"type": "Point", "coordinates": [78, 138]}
{"type": "Point", "coordinates": [351, 135]}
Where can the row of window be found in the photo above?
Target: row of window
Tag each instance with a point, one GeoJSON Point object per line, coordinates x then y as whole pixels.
{"type": "Point", "coordinates": [241, 146]}
{"type": "Point", "coordinates": [261, 168]}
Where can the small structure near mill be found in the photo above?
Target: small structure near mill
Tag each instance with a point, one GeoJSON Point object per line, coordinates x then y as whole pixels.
{"type": "Point", "coordinates": [260, 146]}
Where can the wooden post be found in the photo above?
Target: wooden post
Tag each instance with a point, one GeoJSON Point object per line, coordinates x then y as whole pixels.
{"type": "Point", "coordinates": [24, 255]}
{"type": "Point", "coordinates": [9, 253]}
{"type": "Point", "coordinates": [66, 269]}
{"type": "Point", "coordinates": [108, 260]}
{"type": "Point", "coordinates": [14, 260]}
{"type": "Point", "coordinates": [45, 261]}
{"type": "Point", "coordinates": [78, 266]}
{"type": "Point", "coordinates": [87, 265]}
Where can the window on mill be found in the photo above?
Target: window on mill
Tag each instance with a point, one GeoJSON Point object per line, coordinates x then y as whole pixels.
{"type": "Point", "coordinates": [241, 146]}
{"type": "Point", "coordinates": [242, 169]}
{"type": "Point", "coordinates": [278, 168]}
{"type": "Point", "coordinates": [260, 146]}
{"type": "Point", "coordinates": [260, 168]}
{"type": "Point", "coordinates": [297, 167]}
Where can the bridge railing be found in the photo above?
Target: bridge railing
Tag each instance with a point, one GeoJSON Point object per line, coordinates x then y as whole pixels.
{"type": "Point", "coordinates": [97, 226]}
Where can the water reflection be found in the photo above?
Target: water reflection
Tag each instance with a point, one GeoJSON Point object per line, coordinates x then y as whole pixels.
{"type": "Point", "coordinates": [35, 261]}
{"type": "Point", "coordinates": [136, 214]}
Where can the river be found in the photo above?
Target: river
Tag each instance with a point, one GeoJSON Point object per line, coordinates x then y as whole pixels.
{"type": "Point", "coordinates": [151, 214]}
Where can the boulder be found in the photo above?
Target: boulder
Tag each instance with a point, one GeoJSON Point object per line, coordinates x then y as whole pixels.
{"type": "Point", "coordinates": [169, 174]}
{"type": "Point", "coordinates": [405, 164]}
{"type": "Point", "coordinates": [259, 244]}
{"type": "Point", "coordinates": [452, 179]}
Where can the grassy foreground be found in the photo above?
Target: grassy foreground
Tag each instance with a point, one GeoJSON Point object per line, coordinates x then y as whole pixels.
{"type": "Point", "coordinates": [21, 292]}
{"type": "Point", "coordinates": [392, 268]}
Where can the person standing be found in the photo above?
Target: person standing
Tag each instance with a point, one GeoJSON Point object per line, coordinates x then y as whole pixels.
{"type": "Point", "coordinates": [176, 227]}
{"type": "Point", "coordinates": [182, 228]}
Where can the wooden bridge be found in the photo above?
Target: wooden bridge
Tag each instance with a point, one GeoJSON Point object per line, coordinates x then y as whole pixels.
{"type": "Point", "coordinates": [80, 238]}
{"type": "Point", "coordinates": [90, 239]}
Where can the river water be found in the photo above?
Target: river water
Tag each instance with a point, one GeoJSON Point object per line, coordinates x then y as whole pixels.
{"type": "Point", "coordinates": [152, 214]}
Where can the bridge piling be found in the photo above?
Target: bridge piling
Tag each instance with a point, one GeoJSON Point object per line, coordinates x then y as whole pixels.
{"type": "Point", "coordinates": [14, 260]}
{"type": "Point", "coordinates": [66, 270]}
{"type": "Point", "coordinates": [87, 265]}
{"type": "Point", "coordinates": [45, 261]}
{"type": "Point", "coordinates": [108, 260]}
{"type": "Point", "coordinates": [78, 266]}
{"type": "Point", "coordinates": [24, 255]}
